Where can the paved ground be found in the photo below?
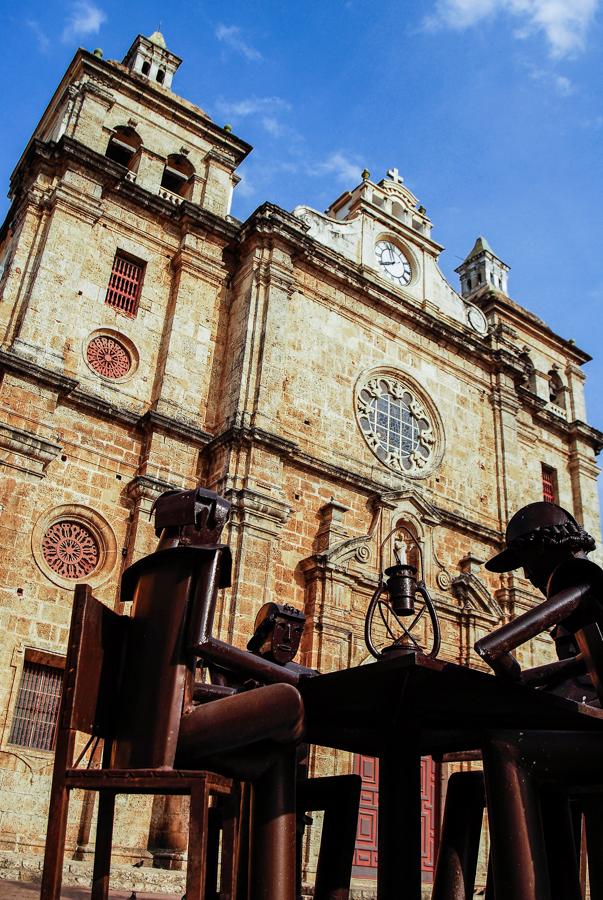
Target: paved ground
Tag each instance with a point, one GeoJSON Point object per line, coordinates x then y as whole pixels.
{"type": "Point", "coordinates": [25, 890]}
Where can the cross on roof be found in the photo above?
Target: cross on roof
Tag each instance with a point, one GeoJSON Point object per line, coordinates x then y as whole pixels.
{"type": "Point", "coordinates": [395, 176]}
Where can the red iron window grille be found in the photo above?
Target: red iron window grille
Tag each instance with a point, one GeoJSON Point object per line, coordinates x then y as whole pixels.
{"type": "Point", "coordinates": [125, 283]}
{"type": "Point", "coordinates": [549, 487]}
{"type": "Point", "coordinates": [36, 712]}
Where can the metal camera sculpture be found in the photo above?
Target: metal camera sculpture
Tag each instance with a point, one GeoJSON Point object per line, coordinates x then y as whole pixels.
{"type": "Point", "coordinates": [395, 598]}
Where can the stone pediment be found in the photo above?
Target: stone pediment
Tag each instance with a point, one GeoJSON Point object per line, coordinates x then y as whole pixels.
{"type": "Point", "coordinates": [474, 596]}
{"type": "Point", "coordinates": [408, 501]}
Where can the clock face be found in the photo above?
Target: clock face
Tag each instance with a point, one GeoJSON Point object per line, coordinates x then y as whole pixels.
{"type": "Point", "coordinates": [392, 262]}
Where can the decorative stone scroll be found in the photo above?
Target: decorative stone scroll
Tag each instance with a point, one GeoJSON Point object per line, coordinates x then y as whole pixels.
{"type": "Point", "coordinates": [400, 426]}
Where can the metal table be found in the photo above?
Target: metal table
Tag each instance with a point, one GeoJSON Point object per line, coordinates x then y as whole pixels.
{"type": "Point", "coordinates": [407, 706]}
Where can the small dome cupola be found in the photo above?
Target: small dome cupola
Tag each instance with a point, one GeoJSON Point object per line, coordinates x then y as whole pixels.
{"type": "Point", "coordinates": [483, 269]}
{"type": "Point", "coordinates": [150, 57]}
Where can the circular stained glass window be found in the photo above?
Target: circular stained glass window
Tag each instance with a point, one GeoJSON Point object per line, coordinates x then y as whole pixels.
{"type": "Point", "coordinates": [108, 357]}
{"type": "Point", "coordinates": [396, 424]}
{"type": "Point", "coordinates": [70, 549]}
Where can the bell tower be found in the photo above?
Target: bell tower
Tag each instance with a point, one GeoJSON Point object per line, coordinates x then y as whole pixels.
{"type": "Point", "coordinates": [150, 57]}
{"type": "Point", "coordinates": [483, 269]}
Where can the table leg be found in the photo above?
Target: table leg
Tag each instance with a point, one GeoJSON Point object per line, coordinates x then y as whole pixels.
{"type": "Point", "coordinates": [518, 854]}
{"type": "Point", "coordinates": [399, 846]}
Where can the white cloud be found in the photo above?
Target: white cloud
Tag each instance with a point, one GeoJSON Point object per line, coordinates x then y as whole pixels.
{"type": "Point", "coordinates": [564, 23]}
{"type": "Point", "coordinates": [252, 106]}
{"type": "Point", "coordinates": [563, 85]}
{"type": "Point", "coordinates": [39, 34]}
{"type": "Point", "coordinates": [339, 164]}
{"type": "Point", "coordinates": [231, 35]}
{"type": "Point", "coordinates": [85, 18]}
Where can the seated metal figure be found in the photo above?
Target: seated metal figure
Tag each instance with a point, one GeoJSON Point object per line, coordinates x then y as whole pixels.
{"type": "Point", "coordinates": [277, 634]}
{"type": "Point", "coordinates": [251, 737]}
{"type": "Point", "coordinates": [547, 542]}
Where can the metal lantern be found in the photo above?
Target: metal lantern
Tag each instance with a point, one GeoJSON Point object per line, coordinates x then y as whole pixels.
{"type": "Point", "coordinates": [395, 599]}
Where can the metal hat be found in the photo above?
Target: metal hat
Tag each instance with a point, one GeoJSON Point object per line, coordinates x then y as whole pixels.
{"type": "Point", "coordinates": [528, 521]}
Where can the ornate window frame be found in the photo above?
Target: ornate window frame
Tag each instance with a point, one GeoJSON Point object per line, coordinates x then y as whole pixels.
{"type": "Point", "coordinates": [424, 458]}
{"type": "Point", "coordinates": [89, 519]}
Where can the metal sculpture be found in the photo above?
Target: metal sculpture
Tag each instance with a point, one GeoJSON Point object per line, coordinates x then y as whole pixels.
{"type": "Point", "coordinates": [547, 542]}
{"type": "Point", "coordinates": [251, 736]}
{"type": "Point", "coordinates": [401, 588]}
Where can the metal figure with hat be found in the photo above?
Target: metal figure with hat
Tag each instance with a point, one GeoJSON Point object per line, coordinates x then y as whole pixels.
{"type": "Point", "coordinates": [549, 544]}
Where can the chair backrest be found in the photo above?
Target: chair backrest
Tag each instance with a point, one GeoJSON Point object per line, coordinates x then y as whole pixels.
{"type": "Point", "coordinates": [93, 668]}
{"type": "Point", "coordinates": [174, 593]}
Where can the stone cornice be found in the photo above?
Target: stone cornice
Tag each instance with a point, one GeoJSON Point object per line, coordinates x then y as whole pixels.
{"type": "Point", "coordinates": [490, 300]}
{"type": "Point", "coordinates": [143, 487]}
{"type": "Point", "coordinates": [272, 222]}
{"type": "Point", "coordinates": [154, 421]}
{"type": "Point", "coordinates": [287, 449]}
{"type": "Point", "coordinates": [55, 156]}
{"type": "Point", "coordinates": [19, 365]}
{"type": "Point", "coordinates": [26, 451]}
{"type": "Point", "coordinates": [70, 392]}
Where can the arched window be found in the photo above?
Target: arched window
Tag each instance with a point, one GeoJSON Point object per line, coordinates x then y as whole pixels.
{"type": "Point", "coordinates": [160, 75]}
{"type": "Point", "coordinates": [177, 175]}
{"type": "Point", "coordinates": [397, 210]}
{"type": "Point", "coordinates": [529, 369]}
{"type": "Point", "coordinates": [146, 67]}
{"type": "Point", "coordinates": [123, 146]}
{"type": "Point", "coordinates": [556, 389]}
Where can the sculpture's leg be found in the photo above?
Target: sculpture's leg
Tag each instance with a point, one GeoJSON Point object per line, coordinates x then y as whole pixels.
{"type": "Point", "coordinates": [519, 861]}
{"type": "Point", "coordinates": [273, 831]}
{"type": "Point", "coordinates": [399, 871]}
{"type": "Point", "coordinates": [593, 820]}
{"type": "Point", "coordinates": [339, 796]}
{"type": "Point", "coordinates": [459, 841]}
{"type": "Point", "coordinates": [564, 871]}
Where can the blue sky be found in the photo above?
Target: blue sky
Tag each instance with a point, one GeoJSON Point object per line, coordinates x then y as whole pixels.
{"type": "Point", "coordinates": [491, 109]}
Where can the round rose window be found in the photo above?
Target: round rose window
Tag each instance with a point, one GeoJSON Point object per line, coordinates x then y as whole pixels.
{"type": "Point", "coordinates": [399, 427]}
{"type": "Point", "coordinates": [70, 549]}
{"type": "Point", "coordinates": [108, 357]}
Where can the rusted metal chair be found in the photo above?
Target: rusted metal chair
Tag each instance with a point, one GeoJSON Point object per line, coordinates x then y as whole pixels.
{"type": "Point", "coordinates": [99, 657]}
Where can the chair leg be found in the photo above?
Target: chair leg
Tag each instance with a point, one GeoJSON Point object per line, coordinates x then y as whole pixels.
{"type": "Point", "coordinates": [215, 818]}
{"type": "Point", "coordinates": [52, 875]}
{"type": "Point", "coordinates": [197, 841]}
{"type": "Point", "coordinates": [104, 842]}
{"type": "Point", "coordinates": [231, 845]}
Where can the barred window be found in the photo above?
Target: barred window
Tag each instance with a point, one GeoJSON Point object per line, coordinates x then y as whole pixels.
{"type": "Point", "coordinates": [549, 484]}
{"type": "Point", "coordinates": [125, 284]}
{"type": "Point", "coordinates": [36, 712]}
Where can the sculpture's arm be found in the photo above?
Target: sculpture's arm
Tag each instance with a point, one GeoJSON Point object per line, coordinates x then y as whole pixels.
{"type": "Point", "coordinates": [212, 650]}
{"type": "Point", "coordinates": [496, 647]}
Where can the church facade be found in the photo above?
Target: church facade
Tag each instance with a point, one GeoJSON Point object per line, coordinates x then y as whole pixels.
{"type": "Point", "coordinates": [315, 368]}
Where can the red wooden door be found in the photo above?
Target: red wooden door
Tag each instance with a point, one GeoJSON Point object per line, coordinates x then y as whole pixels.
{"type": "Point", "coordinates": [365, 855]}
